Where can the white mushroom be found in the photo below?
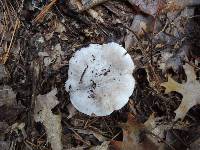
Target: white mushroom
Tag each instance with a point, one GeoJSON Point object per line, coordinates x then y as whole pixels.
{"type": "Point", "coordinates": [100, 79]}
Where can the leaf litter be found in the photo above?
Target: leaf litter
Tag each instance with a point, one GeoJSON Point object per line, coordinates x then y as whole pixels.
{"type": "Point", "coordinates": [37, 40]}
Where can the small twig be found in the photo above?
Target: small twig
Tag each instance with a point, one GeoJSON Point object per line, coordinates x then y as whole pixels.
{"type": "Point", "coordinates": [79, 137]}
{"type": "Point", "coordinates": [44, 11]}
{"type": "Point", "coordinates": [30, 143]}
{"type": "Point", "coordinates": [88, 123]}
{"type": "Point", "coordinates": [41, 136]}
{"type": "Point", "coordinates": [116, 135]}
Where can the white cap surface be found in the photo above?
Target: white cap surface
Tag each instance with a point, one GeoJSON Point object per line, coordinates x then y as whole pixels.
{"type": "Point", "coordinates": [100, 79]}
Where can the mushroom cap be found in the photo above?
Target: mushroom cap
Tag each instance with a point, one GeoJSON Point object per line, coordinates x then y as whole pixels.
{"type": "Point", "coordinates": [100, 79]}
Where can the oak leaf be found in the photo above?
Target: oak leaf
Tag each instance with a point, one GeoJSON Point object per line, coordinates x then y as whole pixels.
{"type": "Point", "coordinates": [190, 91]}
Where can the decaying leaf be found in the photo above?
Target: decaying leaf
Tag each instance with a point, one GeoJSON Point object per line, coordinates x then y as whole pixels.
{"type": "Point", "coordinates": [158, 130]}
{"type": "Point", "coordinates": [170, 61]}
{"type": "Point", "coordinates": [53, 57]}
{"type": "Point", "coordinates": [140, 25]}
{"type": "Point", "coordinates": [52, 122]}
{"type": "Point", "coordinates": [7, 96]}
{"type": "Point", "coordinates": [9, 107]}
{"type": "Point", "coordinates": [189, 90]}
{"type": "Point", "coordinates": [134, 137]}
{"type": "Point", "coordinates": [151, 7]}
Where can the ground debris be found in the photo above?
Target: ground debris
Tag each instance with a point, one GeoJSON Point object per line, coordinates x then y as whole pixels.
{"type": "Point", "coordinates": [134, 135]}
{"type": "Point", "coordinates": [151, 7]}
{"type": "Point", "coordinates": [52, 122]}
{"type": "Point", "coordinates": [37, 40]}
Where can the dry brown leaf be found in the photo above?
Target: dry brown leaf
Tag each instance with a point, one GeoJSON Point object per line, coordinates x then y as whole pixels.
{"type": "Point", "coordinates": [189, 90]}
{"type": "Point", "coordinates": [156, 6]}
{"type": "Point", "coordinates": [134, 137]}
{"type": "Point", "coordinates": [140, 25]}
{"type": "Point", "coordinates": [44, 105]}
{"type": "Point", "coordinates": [151, 7]}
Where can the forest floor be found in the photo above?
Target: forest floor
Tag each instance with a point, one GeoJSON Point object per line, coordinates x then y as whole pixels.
{"type": "Point", "coordinates": [37, 40]}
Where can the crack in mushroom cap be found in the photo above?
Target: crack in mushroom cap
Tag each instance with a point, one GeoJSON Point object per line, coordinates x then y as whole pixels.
{"type": "Point", "coordinates": [100, 79]}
